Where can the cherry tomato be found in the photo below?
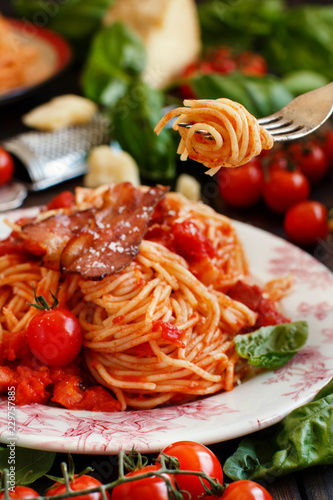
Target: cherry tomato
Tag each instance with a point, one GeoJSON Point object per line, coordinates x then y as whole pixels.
{"type": "Point", "coordinates": [241, 186]}
{"type": "Point", "coordinates": [206, 67]}
{"type": "Point", "coordinates": [194, 457]}
{"type": "Point", "coordinates": [328, 147]}
{"type": "Point", "coordinates": [150, 488]}
{"type": "Point", "coordinates": [306, 222]}
{"type": "Point", "coordinates": [284, 188]}
{"type": "Point", "coordinates": [55, 336]}
{"type": "Point", "coordinates": [222, 60]}
{"type": "Point", "coordinates": [310, 158]}
{"type": "Point", "coordinates": [278, 160]}
{"type": "Point", "coordinates": [6, 167]}
{"type": "Point", "coordinates": [79, 483]}
{"type": "Point", "coordinates": [246, 490]}
{"type": "Point", "coordinates": [62, 200]}
{"type": "Point", "coordinates": [252, 64]}
{"type": "Point", "coordinates": [21, 492]}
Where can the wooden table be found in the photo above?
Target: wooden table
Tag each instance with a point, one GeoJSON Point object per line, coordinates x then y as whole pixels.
{"type": "Point", "coordinates": [312, 484]}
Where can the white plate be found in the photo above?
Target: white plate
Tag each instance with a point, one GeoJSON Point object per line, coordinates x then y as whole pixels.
{"type": "Point", "coordinates": [256, 404]}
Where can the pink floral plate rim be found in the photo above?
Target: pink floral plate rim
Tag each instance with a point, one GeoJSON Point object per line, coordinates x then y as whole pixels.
{"type": "Point", "coordinates": [253, 405]}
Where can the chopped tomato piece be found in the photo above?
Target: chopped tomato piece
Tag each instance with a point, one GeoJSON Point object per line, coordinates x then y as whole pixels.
{"type": "Point", "coordinates": [69, 392]}
{"type": "Point", "coordinates": [72, 394]}
{"type": "Point", "coordinates": [59, 373]}
{"type": "Point", "coordinates": [191, 243]}
{"type": "Point", "coordinates": [6, 378]}
{"type": "Point", "coordinates": [161, 235]}
{"type": "Point", "coordinates": [246, 294]}
{"type": "Point", "coordinates": [63, 200]}
{"type": "Point", "coordinates": [98, 399]}
{"type": "Point", "coordinates": [169, 332]}
{"type": "Point", "coordinates": [251, 296]}
{"type": "Point", "coordinates": [31, 385]}
{"type": "Point", "coordinates": [268, 315]}
{"type": "Point", "coordinates": [13, 346]}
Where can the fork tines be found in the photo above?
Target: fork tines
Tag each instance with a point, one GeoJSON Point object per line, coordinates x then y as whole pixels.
{"type": "Point", "coordinates": [277, 124]}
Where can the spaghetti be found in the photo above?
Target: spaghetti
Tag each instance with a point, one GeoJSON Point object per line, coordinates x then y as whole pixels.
{"type": "Point", "coordinates": [161, 329]}
{"type": "Point", "coordinates": [15, 59]}
{"type": "Point", "coordinates": [235, 136]}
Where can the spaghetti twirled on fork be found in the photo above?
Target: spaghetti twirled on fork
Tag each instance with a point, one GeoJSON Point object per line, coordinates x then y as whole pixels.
{"type": "Point", "coordinates": [237, 136]}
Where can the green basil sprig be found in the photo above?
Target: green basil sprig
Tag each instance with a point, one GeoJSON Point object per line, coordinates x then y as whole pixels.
{"type": "Point", "coordinates": [271, 347]}
{"type": "Point", "coordinates": [260, 95]}
{"type": "Point", "coordinates": [302, 439]}
{"type": "Point", "coordinates": [116, 57]}
{"type": "Point", "coordinates": [133, 118]}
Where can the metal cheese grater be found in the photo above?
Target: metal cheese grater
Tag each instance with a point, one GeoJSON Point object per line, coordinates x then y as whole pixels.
{"type": "Point", "coordinates": [49, 158]}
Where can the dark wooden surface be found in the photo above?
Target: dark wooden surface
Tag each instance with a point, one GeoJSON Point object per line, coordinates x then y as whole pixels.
{"type": "Point", "coordinates": [311, 484]}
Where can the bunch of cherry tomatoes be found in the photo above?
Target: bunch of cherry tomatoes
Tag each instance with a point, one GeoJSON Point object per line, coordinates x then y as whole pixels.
{"type": "Point", "coordinates": [192, 457]}
{"type": "Point", "coordinates": [222, 60]}
{"type": "Point", "coordinates": [283, 178]}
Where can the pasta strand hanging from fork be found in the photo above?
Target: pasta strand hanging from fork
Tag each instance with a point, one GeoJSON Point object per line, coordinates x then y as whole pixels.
{"type": "Point", "coordinates": [229, 135]}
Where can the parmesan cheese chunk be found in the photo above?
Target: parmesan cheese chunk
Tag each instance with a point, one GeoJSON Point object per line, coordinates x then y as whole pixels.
{"type": "Point", "coordinates": [169, 30]}
{"type": "Point", "coordinates": [189, 187]}
{"type": "Point", "coordinates": [107, 165]}
{"type": "Point", "coordinates": [61, 112]}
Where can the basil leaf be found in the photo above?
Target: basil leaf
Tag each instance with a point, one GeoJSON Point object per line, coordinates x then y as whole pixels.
{"type": "Point", "coordinates": [116, 56]}
{"type": "Point", "coordinates": [133, 118]}
{"type": "Point", "coordinates": [302, 439]}
{"type": "Point", "coordinates": [301, 81]}
{"type": "Point", "coordinates": [29, 464]}
{"type": "Point", "coordinates": [237, 24]}
{"type": "Point", "coordinates": [73, 19]}
{"type": "Point", "coordinates": [325, 391]}
{"type": "Point", "coordinates": [261, 96]}
{"type": "Point", "coordinates": [271, 347]}
{"type": "Point", "coordinates": [303, 39]}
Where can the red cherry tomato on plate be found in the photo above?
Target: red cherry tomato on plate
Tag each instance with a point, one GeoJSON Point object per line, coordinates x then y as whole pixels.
{"type": "Point", "coordinates": [79, 483]}
{"type": "Point", "coordinates": [62, 200]}
{"type": "Point", "coordinates": [241, 186]}
{"type": "Point", "coordinates": [55, 336]}
{"type": "Point", "coordinates": [245, 490]}
{"type": "Point", "coordinates": [21, 492]}
{"type": "Point", "coordinates": [310, 158]}
{"type": "Point", "coordinates": [150, 488]}
{"type": "Point", "coordinates": [194, 456]}
{"type": "Point", "coordinates": [306, 222]}
{"type": "Point", "coordinates": [6, 167]}
{"type": "Point", "coordinates": [284, 188]}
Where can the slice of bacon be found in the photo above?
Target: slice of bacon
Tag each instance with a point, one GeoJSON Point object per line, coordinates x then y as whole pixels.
{"type": "Point", "coordinates": [120, 227]}
{"type": "Point", "coordinates": [96, 242]}
{"type": "Point", "coordinates": [50, 235]}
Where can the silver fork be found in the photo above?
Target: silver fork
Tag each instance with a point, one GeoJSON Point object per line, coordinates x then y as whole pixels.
{"type": "Point", "coordinates": [302, 116]}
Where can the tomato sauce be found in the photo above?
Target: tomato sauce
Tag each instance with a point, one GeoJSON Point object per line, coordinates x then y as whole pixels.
{"type": "Point", "coordinates": [251, 296]}
{"type": "Point", "coordinates": [67, 386]}
{"type": "Point", "coordinates": [141, 351]}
